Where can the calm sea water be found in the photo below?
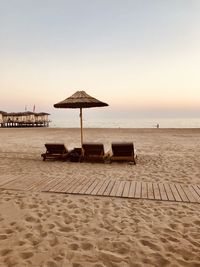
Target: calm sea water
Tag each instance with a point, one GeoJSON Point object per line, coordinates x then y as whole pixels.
{"type": "Point", "coordinates": [127, 123]}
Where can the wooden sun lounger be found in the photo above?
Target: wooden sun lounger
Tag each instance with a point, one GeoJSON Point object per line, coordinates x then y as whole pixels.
{"type": "Point", "coordinates": [93, 152]}
{"type": "Point", "coordinates": [55, 151]}
{"type": "Point", "coordinates": [123, 151]}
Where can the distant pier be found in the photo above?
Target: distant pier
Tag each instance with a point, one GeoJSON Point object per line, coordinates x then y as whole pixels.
{"type": "Point", "coordinates": [24, 119]}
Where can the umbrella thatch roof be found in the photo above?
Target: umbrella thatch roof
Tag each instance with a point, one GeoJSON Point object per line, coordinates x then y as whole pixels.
{"type": "Point", "coordinates": [80, 100]}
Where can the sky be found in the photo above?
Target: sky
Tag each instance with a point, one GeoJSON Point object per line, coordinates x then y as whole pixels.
{"type": "Point", "coordinates": [141, 57]}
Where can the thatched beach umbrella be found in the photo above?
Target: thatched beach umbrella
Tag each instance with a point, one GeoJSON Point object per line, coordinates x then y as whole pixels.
{"type": "Point", "coordinates": [80, 100]}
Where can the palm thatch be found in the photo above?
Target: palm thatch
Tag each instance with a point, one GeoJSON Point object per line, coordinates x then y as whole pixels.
{"type": "Point", "coordinates": [80, 100]}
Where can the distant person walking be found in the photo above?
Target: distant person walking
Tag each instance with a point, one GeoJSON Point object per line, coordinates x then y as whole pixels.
{"type": "Point", "coordinates": [157, 125]}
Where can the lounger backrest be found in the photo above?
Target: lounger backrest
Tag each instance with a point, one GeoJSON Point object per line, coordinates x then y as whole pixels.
{"type": "Point", "coordinates": [96, 149]}
{"type": "Point", "coordinates": [123, 149]}
{"type": "Point", "coordinates": [56, 148]}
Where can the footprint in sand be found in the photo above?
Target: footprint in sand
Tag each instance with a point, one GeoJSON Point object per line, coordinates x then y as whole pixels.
{"type": "Point", "coordinates": [197, 222]}
{"type": "Point", "coordinates": [31, 219]}
{"type": "Point", "coordinates": [13, 223]}
{"type": "Point", "coordinates": [28, 235]}
{"type": "Point", "coordinates": [65, 229]}
{"type": "Point", "coordinates": [21, 243]}
{"type": "Point", "coordinates": [7, 198]}
{"type": "Point", "coordinates": [53, 242]}
{"type": "Point", "coordinates": [33, 206]}
{"type": "Point", "coordinates": [74, 246]}
{"type": "Point", "coordinates": [19, 228]}
{"type": "Point", "coordinates": [77, 265]}
{"type": "Point", "coordinates": [5, 251]}
{"type": "Point", "coordinates": [51, 264]}
{"type": "Point", "coordinates": [3, 237]}
{"type": "Point", "coordinates": [87, 246]}
{"type": "Point", "coordinates": [9, 231]}
{"type": "Point", "coordinates": [149, 244]}
{"type": "Point", "coordinates": [40, 214]}
{"type": "Point", "coordinates": [51, 226]}
{"type": "Point", "coordinates": [72, 206]}
{"type": "Point", "coordinates": [26, 255]}
{"type": "Point", "coordinates": [121, 247]}
{"type": "Point", "coordinates": [11, 261]}
{"type": "Point", "coordinates": [173, 239]}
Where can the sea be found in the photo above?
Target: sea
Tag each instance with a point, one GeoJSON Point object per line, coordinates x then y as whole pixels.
{"type": "Point", "coordinates": [126, 123]}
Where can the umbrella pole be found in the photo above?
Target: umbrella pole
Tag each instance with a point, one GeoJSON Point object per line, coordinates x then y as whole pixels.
{"type": "Point", "coordinates": [81, 121]}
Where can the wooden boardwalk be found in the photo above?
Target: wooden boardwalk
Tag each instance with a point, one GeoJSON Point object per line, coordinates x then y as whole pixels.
{"type": "Point", "coordinates": [107, 187]}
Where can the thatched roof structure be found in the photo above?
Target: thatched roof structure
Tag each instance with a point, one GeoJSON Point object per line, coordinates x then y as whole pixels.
{"type": "Point", "coordinates": [24, 113]}
{"type": "Point", "coordinates": [41, 114]}
{"type": "Point", "coordinates": [80, 100]}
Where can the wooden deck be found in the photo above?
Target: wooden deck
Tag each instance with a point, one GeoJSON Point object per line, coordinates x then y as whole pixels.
{"type": "Point", "coordinates": [110, 187]}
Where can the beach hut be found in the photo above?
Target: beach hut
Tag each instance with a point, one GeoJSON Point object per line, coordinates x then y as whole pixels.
{"type": "Point", "coordinates": [30, 116]}
{"type": "Point", "coordinates": [42, 117]}
{"type": "Point", "coordinates": [2, 114]}
{"type": "Point", "coordinates": [1, 117]}
{"type": "Point", "coordinates": [8, 117]}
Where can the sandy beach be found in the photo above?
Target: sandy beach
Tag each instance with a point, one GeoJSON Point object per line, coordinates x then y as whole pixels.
{"type": "Point", "coordinates": [59, 230]}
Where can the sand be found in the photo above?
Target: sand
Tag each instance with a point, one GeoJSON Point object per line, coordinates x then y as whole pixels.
{"type": "Point", "coordinates": [43, 229]}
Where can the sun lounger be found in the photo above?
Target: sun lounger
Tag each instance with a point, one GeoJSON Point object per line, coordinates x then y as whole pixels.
{"type": "Point", "coordinates": [123, 152]}
{"type": "Point", "coordinates": [55, 151]}
{"type": "Point", "coordinates": [93, 152]}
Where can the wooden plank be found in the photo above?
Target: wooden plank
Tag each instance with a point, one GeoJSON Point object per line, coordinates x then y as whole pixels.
{"type": "Point", "coordinates": [61, 187]}
{"type": "Point", "coordinates": [58, 185]}
{"type": "Point", "coordinates": [64, 186]}
{"type": "Point", "coordinates": [115, 188]}
{"type": "Point", "coordinates": [74, 185]}
{"type": "Point", "coordinates": [156, 191]}
{"type": "Point", "coordinates": [23, 184]}
{"type": "Point", "coordinates": [26, 184]}
{"type": "Point", "coordinates": [181, 193]}
{"type": "Point", "coordinates": [43, 184]}
{"type": "Point", "coordinates": [86, 186]}
{"type": "Point", "coordinates": [5, 180]}
{"type": "Point", "coordinates": [81, 185]}
{"type": "Point", "coordinates": [52, 183]}
{"type": "Point", "coordinates": [109, 188]}
{"type": "Point", "coordinates": [47, 184]}
{"type": "Point", "coordinates": [138, 190]}
{"type": "Point", "coordinates": [92, 186]}
{"type": "Point", "coordinates": [126, 189]}
{"type": "Point", "coordinates": [103, 188]}
{"type": "Point", "coordinates": [37, 185]}
{"type": "Point", "coordinates": [175, 193]}
{"type": "Point", "coordinates": [29, 185]}
{"type": "Point", "coordinates": [195, 194]}
{"type": "Point", "coordinates": [162, 191]}
{"type": "Point", "coordinates": [120, 189]}
{"type": "Point", "coordinates": [97, 187]}
{"type": "Point", "coordinates": [16, 184]}
{"type": "Point", "coordinates": [190, 196]}
{"type": "Point", "coordinates": [168, 192]}
{"type": "Point", "coordinates": [144, 190]}
{"type": "Point", "coordinates": [196, 188]}
{"type": "Point", "coordinates": [150, 192]}
{"type": "Point", "coordinates": [132, 189]}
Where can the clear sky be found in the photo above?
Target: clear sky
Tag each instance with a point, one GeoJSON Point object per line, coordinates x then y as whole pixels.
{"type": "Point", "coordinates": [141, 57]}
